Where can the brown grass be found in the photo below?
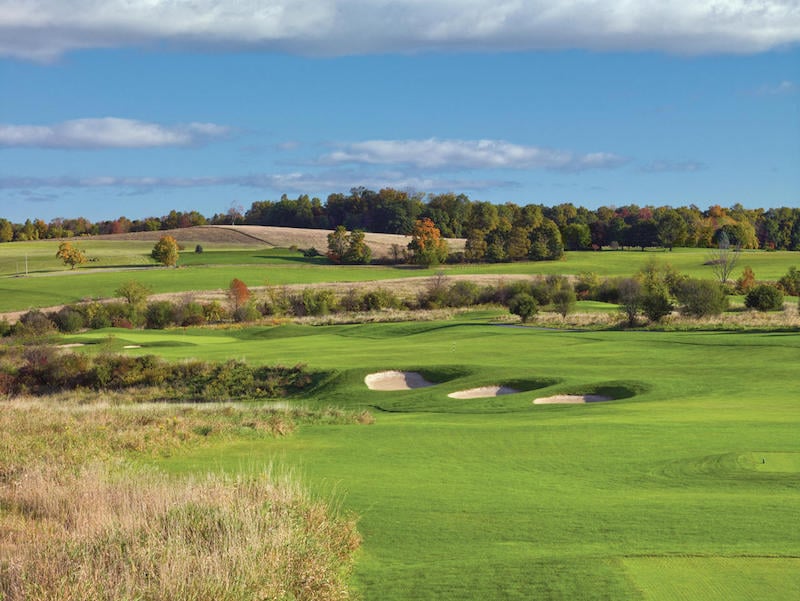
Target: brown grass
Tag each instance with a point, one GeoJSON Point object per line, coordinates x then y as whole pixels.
{"type": "Point", "coordinates": [95, 535]}
{"type": "Point", "coordinates": [79, 523]}
{"type": "Point", "coordinates": [276, 237]}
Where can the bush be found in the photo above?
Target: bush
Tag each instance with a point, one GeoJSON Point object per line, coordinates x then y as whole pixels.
{"type": "Point", "coordinates": [790, 283]}
{"type": "Point", "coordinates": [378, 299]}
{"type": "Point", "coordinates": [656, 305]}
{"type": "Point", "coordinates": [523, 305]}
{"type": "Point", "coordinates": [198, 249]}
{"type": "Point", "coordinates": [33, 324]}
{"type": "Point", "coordinates": [68, 319]}
{"type": "Point", "coordinates": [246, 313]}
{"type": "Point", "coordinates": [318, 302]}
{"type": "Point", "coordinates": [462, 294]}
{"type": "Point", "coordinates": [312, 252]}
{"type": "Point", "coordinates": [746, 281]}
{"type": "Point", "coordinates": [564, 300]}
{"type": "Point", "coordinates": [701, 298]}
{"type": "Point", "coordinates": [764, 298]}
{"type": "Point", "coordinates": [159, 315]}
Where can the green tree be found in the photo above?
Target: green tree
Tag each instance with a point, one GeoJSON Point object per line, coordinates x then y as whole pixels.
{"type": "Point", "coordinates": [764, 298]}
{"type": "Point", "coordinates": [166, 251]}
{"type": "Point", "coordinates": [135, 293]}
{"type": "Point", "coordinates": [6, 230]}
{"type": "Point", "coordinates": [338, 241]}
{"type": "Point", "coordinates": [71, 254]}
{"type": "Point", "coordinates": [357, 253]}
{"type": "Point", "coordinates": [671, 229]}
{"type": "Point", "coordinates": [701, 298]}
{"type": "Point", "coordinates": [523, 305]}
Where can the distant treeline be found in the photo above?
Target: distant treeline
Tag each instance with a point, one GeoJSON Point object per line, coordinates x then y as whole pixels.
{"type": "Point", "coordinates": [494, 232]}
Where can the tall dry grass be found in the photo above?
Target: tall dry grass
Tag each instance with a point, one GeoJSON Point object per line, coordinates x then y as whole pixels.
{"type": "Point", "coordinates": [78, 522]}
{"type": "Point", "coordinates": [98, 536]}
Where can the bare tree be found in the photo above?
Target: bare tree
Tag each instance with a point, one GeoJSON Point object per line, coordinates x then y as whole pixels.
{"type": "Point", "coordinates": [724, 258]}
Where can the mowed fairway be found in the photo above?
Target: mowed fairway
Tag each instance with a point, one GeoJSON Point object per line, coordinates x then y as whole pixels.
{"type": "Point", "coordinates": [689, 488]}
{"type": "Point", "coordinates": [115, 262]}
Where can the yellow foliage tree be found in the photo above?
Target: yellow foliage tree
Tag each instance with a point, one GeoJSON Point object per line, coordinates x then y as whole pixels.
{"type": "Point", "coordinates": [71, 254]}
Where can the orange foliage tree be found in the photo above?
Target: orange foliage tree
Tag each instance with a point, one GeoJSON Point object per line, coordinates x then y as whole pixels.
{"type": "Point", "coordinates": [239, 293]}
{"type": "Point", "coordinates": [427, 244]}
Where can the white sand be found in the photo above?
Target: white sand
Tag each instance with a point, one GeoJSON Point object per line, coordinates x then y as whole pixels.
{"type": "Point", "coordinates": [483, 391]}
{"type": "Point", "coordinates": [71, 345]}
{"type": "Point", "coordinates": [571, 399]}
{"type": "Point", "coordinates": [132, 346]}
{"type": "Point", "coordinates": [395, 380]}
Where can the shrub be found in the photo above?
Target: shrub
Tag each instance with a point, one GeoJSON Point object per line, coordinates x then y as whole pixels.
{"type": "Point", "coordinates": [198, 249]}
{"type": "Point", "coordinates": [159, 315]}
{"type": "Point", "coordinates": [5, 327]}
{"type": "Point", "coordinates": [318, 302]}
{"type": "Point", "coordinates": [790, 283]}
{"type": "Point", "coordinates": [586, 285]}
{"type": "Point", "coordinates": [523, 305]}
{"type": "Point", "coordinates": [68, 319]}
{"type": "Point", "coordinates": [564, 300]}
{"type": "Point", "coordinates": [380, 298]}
{"type": "Point", "coordinates": [701, 298]}
{"type": "Point", "coordinates": [764, 298]}
{"type": "Point", "coordinates": [312, 252]}
{"type": "Point", "coordinates": [462, 294]}
{"type": "Point", "coordinates": [213, 312]}
{"type": "Point", "coordinates": [629, 293]}
{"type": "Point", "coordinates": [656, 305]}
{"type": "Point", "coordinates": [33, 324]}
{"type": "Point", "coordinates": [135, 293]}
{"type": "Point", "coordinates": [191, 314]}
{"type": "Point", "coordinates": [246, 313]}
{"type": "Point", "coordinates": [746, 281]}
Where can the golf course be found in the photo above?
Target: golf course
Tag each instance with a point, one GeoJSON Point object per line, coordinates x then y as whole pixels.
{"type": "Point", "coordinates": [679, 479]}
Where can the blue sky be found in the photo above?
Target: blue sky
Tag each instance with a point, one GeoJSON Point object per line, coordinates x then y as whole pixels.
{"type": "Point", "coordinates": [136, 108]}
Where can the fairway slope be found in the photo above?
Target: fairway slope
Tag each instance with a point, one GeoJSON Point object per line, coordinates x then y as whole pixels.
{"type": "Point", "coordinates": [571, 399]}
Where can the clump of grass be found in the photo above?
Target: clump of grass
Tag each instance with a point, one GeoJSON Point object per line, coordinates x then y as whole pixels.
{"type": "Point", "coordinates": [96, 535]}
{"type": "Point", "coordinates": [79, 523]}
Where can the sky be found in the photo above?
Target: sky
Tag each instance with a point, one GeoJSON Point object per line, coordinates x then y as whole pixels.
{"type": "Point", "coordinates": [138, 107]}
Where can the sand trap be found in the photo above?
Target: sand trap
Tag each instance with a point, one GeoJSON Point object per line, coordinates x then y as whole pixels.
{"type": "Point", "coordinates": [395, 380]}
{"type": "Point", "coordinates": [483, 391]}
{"type": "Point", "coordinates": [132, 346]}
{"type": "Point", "coordinates": [71, 345]}
{"type": "Point", "coordinates": [571, 399]}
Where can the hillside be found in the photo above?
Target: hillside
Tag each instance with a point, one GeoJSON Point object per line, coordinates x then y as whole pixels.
{"type": "Point", "coordinates": [275, 237]}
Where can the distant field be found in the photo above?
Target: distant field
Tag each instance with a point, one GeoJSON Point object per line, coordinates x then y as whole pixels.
{"type": "Point", "coordinates": [688, 487]}
{"type": "Point", "coordinates": [239, 253]}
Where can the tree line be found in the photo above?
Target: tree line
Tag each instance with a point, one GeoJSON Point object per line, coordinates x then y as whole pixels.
{"type": "Point", "coordinates": [495, 232]}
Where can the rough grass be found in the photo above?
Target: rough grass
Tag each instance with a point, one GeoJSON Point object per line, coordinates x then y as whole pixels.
{"type": "Point", "coordinates": [79, 522]}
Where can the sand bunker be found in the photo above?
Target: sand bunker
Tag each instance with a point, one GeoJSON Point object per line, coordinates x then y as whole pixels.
{"type": "Point", "coordinates": [395, 380]}
{"type": "Point", "coordinates": [483, 391]}
{"type": "Point", "coordinates": [132, 346]}
{"type": "Point", "coordinates": [71, 345]}
{"type": "Point", "coordinates": [571, 399]}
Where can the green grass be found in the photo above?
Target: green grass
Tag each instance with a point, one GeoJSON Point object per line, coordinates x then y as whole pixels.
{"type": "Point", "coordinates": [661, 495]}
{"type": "Point", "coordinates": [120, 261]}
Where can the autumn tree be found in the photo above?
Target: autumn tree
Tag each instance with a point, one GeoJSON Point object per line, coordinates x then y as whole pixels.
{"type": "Point", "coordinates": [166, 251]}
{"type": "Point", "coordinates": [71, 254]}
{"type": "Point", "coordinates": [238, 293]}
{"type": "Point", "coordinates": [427, 244]}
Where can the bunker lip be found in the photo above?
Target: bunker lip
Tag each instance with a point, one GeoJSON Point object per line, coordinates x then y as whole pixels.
{"type": "Point", "coordinates": [482, 392]}
{"type": "Point", "coordinates": [571, 399]}
{"type": "Point", "coordinates": [395, 380]}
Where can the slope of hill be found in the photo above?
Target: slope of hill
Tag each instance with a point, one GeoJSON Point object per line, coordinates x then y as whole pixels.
{"type": "Point", "coordinates": [276, 237]}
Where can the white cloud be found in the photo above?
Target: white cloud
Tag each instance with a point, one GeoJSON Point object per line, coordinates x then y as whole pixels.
{"type": "Point", "coordinates": [434, 153]}
{"type": "Point", "coordinates": [297, 181]}
{"type": "Point", "coordinates": [45, 29]}
{"type": "Point", "coordinates": [108, 132]}
{"type": "Point", "coordinates": [780, 89]}
{"type": "Point", "coordinates": [667, 166]}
